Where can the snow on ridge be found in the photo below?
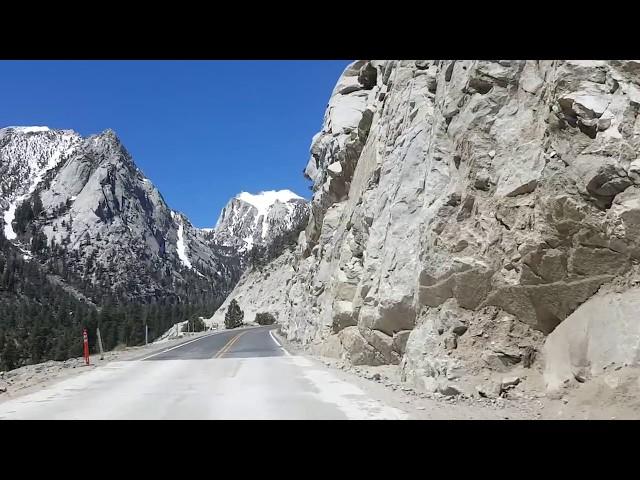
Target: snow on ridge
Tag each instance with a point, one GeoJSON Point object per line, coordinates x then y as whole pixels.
{"type": "Point", "coordinates": [30, 129]}
{"type": "Point", "coordinates": [263, 200]}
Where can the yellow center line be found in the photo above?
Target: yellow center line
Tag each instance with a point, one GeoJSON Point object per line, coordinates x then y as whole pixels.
{"type": "Point", "coordinates": [228, 345]}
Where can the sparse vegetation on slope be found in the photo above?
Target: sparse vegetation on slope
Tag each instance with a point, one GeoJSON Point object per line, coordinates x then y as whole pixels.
{"type": "Point", "coordinates": [265, 318]}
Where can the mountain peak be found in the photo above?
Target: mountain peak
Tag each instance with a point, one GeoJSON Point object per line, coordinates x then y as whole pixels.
{"type": "Point", "coordinates": [108, 135]}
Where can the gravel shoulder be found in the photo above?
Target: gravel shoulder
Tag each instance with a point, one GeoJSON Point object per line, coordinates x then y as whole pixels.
{"type": "Point", "coordinates": [613, 396]}
{"type": "Point", "coordinates": [383, 383]}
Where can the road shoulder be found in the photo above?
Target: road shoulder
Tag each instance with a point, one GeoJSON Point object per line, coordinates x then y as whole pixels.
{"type": "Point", "coordinates": [383, 384]}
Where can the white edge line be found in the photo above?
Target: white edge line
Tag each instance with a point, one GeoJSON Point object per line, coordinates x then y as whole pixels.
{"type": "Point", "coordinates": [278, 343]}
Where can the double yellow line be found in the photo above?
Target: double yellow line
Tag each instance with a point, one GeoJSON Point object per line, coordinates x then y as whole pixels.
{"type": "Point", "coordinates": [228, 345]}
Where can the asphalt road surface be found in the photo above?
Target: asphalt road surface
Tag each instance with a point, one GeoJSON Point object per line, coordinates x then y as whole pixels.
{"type": "Point", "coordinates": [236, 374]}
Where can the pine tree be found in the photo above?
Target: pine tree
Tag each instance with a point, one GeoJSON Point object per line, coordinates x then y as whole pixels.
{"type": "Point", "coordinates": [234, 316]}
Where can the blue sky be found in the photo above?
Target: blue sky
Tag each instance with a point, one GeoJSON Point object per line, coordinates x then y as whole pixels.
{"type": "Point", "coordinates": [202, 131]}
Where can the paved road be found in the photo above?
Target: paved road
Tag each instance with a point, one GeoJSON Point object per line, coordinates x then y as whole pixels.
{"type": "Point", "coordinates": [243, 343]}
{"type": "Point", "coordinates": [238, 374]}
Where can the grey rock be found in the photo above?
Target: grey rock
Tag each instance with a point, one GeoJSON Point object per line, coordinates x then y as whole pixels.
{"type": "Point", "coordinates": [489, 390]}
{"type": "Point", "coordinates": [508, 382]}
{"type": "Point", "coordinates": [450, 342]}
{"type": "Point", "coordinates": [400, 341]}
{"type": "Point", "coordinates": [448, 390]}
{"type": "Point", "coordinates": [459, 329]}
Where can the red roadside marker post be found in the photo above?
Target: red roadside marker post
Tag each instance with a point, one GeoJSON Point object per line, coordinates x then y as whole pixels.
{"type": "Point", "coordinates": [85, 338]}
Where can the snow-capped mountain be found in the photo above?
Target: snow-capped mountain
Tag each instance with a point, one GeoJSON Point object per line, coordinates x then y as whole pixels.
{"type": "Point", "coordinates": [82, 206]}
{"type": "Point", "coordinates": [252, 220]}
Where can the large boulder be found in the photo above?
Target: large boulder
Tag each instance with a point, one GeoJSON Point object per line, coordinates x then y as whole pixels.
{"type": "Point", "coordinates": [601, 334]}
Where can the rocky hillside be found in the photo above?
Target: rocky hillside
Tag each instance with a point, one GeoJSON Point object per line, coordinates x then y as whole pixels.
{"type": "Point", "coordinates": [462, 212]}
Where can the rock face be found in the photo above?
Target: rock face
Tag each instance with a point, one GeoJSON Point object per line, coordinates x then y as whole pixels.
{"type": "Point", "coordinates": [100, 223]}
{"type": "Point", "coordinates": [462, 210]}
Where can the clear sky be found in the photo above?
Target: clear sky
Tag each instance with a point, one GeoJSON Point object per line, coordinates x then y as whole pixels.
{"type": "Point", "coordinates": [202, 131]}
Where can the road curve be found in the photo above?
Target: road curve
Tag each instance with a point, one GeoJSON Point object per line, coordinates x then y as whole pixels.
{"type": "Point", "coordinates": [237, 374]}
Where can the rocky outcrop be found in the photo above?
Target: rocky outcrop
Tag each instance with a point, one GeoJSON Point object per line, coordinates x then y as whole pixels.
{"type": "Point", "coordinates": [462, 210]}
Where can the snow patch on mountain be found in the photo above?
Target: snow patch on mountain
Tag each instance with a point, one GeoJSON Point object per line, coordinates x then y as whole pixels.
{"type": "Point", "coordinates": [45, 158]}
{"type": "Point", "coordinates": [180, 244]}
{"type": "Point", "coordinates": [248, 242]}
{"type": "Point", "coordinates": [182, 254]}
{"type": "Point", "coordinates": [8, 216]}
